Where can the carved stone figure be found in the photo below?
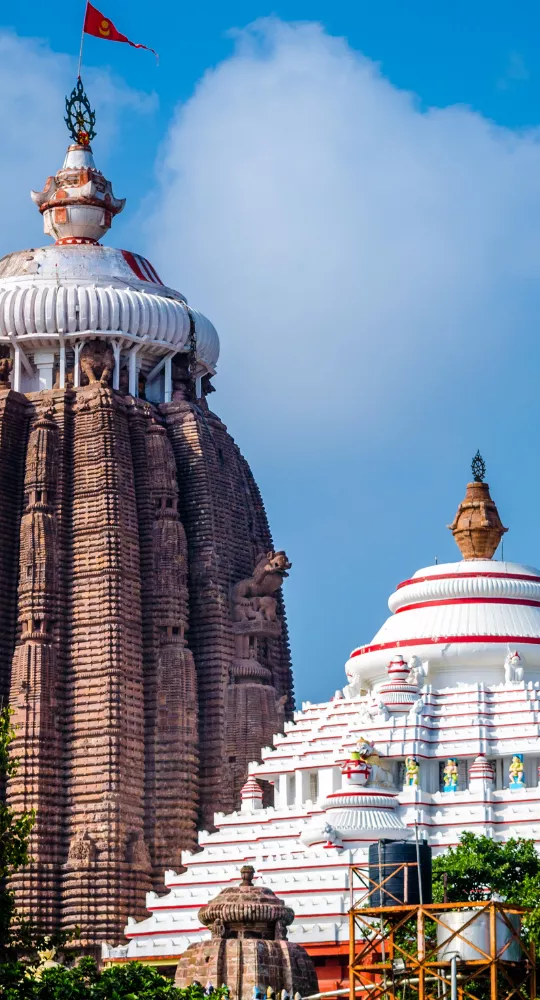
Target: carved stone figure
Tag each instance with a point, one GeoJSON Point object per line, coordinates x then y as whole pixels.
{"type": "Point", "coordinates": [252, 597]}
{"type": "Point", "coordinates": [450, 775]}
{"type": "Point", "coordinates": [182, 385]}
{"type": "Point", "coordinates": [412, 770]}
{"type": "Point", "coordinates": [82, 849]}
{"type": "Point", "coordinates": [513, 670]}
{"type": "Point", "coordinates": [6, 366]}
{"type": "Point", "coordinates": [123, 380]}
{"type": "Point", "coordinates": [415, 711]}
{"type": "Point", "coordinates": [417, 671]}
{"type": "Point", "coordinates": [516, 772]}
{"type": "Point", "coordinates": [331, 835]}
{"type": "Point", "coordinates": [97, 361]}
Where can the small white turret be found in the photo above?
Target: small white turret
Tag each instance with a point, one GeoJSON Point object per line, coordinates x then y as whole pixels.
{"type": "Point", "coordinates": [252, 796]}
{"type": "Point", "coordinates": [481, 775]}
{"type": "Point", "coordinates": [359, 811]}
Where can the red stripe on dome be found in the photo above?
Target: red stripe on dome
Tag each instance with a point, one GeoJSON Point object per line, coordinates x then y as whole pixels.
{"type": "Point", "coordinates": [443, 639]}
{"type": "Point", "coordinates": [469, 600]}
{"type": "Point", "coordinates": [467, 576]}
{"type": "Point", "coordinates": [153, 271]}
{"type": "Point", "coordinates": [133, 263]}
{"type": "Point", "coordinates": [364, 794]}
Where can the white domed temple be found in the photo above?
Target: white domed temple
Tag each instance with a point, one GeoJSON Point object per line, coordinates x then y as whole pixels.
{"type": "Point", "coordinates": [436, 729]}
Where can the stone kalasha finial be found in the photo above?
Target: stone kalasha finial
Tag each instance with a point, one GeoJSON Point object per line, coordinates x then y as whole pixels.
{"type": "Point", "coordinates": [77, 204]}
{"type": "Point", "coordinates": [246, 874]}
{"type": "Point", "coordinates": [477, 527]}
{"type": "Point", "coordinates": [240, 907]}
{"type": "Point", "coordinates": [249, 934]}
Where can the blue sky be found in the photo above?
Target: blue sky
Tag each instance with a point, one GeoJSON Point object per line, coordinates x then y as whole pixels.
{"type": "Point", "coordinates": [352, 194]}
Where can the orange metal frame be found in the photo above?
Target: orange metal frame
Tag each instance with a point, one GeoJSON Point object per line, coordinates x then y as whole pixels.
{"type": "Point", "coordinates": [393, 949]}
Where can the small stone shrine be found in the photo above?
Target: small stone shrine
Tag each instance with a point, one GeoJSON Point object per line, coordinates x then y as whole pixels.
{"type": "Point", "coordinates": [248, 949]}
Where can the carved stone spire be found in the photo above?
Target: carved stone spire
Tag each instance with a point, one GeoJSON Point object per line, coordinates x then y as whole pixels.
{"type": "Point", "coordinates": [477, 527]}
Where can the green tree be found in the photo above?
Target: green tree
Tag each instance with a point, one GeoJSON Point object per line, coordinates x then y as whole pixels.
{"type": "Point", "coordinates": [14, 832]}
{"type": "Point", "coordinates": [132, 981]}
{"type": "Point", "coordinates": [482, 868]}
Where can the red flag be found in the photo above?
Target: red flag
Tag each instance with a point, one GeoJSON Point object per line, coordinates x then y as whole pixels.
{"type": "Point", "coordinates": [102, 27]}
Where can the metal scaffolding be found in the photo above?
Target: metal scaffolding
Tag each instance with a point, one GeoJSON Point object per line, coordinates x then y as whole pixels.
{"type": "Point", "coordinates": [422, 951]}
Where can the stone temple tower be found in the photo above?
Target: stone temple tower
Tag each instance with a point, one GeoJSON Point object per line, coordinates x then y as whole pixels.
{"type": "Point", "coordinates": [143, 642]}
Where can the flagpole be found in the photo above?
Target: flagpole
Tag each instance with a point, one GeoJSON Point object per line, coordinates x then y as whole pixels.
{"type": "Point", "coordinates": [82, 43]}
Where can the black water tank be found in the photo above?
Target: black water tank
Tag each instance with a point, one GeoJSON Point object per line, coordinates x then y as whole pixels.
{"type": "Point", "coordinates": [385, 858]}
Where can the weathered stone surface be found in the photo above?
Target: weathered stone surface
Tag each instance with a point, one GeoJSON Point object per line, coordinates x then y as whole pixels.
{"type": "Point", "coordinates": [249, 947]}
{"type": "Point", "coordinates": [129, 533]}
{"type": "Point", "coordinates": [227, 531]}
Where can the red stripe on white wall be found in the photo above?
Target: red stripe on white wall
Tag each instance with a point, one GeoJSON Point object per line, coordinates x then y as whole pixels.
{"type": "Point", "coordinates": [437, 640]}
{"type": "Point", "coordinates": [522, 602]}
{"type": "Point", "coordinates": [467, 576]}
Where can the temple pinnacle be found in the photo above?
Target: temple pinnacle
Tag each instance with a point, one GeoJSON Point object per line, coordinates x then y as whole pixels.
{"type": "Point", "coordinates": [478, 467]}
{"type": "Point", "coordinates": [78, 204]}
{"type": "Point", "coordinates": [80, 118]}
{"type": "Point", "coordinates": [477, 527]}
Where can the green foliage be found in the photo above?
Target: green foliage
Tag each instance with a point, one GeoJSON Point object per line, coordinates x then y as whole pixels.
{"type": "Point", "coordinates": [481, 868]}
{"type": "Point", "coordinates": [132, 981]}
{"type": "Point", "coordinates": [14, 830]}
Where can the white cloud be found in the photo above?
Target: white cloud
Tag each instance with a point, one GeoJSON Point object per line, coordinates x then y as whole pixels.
{"type": "Point", "coordinates": [372, 266]}
{"type": "Point", "coordinates": [33, 84]}
{"type": "Point", "coordinates": [338, 233]}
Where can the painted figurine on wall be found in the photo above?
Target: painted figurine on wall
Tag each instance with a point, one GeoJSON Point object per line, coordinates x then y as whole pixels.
{"type": "Point", "coordinates": [516, 772]}
{"type": "Point", "coordinates": [412, 770]}
{"type": "Point", "coordinates": [450, 775]}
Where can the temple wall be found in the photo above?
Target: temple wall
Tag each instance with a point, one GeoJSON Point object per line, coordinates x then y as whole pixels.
{"type": "Point", "coordinates": [14, 417]}
{"type": "Point", "coordinates": [171, 710]}
{"type": "Point", "coordinates": [108, 866]}
{"type": "Point", "coordinates": [37, 681]}
{"type": "Point", "coordinates": [125, 532]}
{"type": "Point", "coordinates": [226, 529]}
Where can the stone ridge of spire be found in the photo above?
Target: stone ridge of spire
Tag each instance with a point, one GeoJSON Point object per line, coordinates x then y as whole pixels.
{"type": "Point", "coordinates": [477, 527]}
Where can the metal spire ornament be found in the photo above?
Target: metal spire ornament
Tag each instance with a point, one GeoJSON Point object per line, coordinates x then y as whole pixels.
{"type": "Point", "coordinates": [80, 119]}
{"type": "Point", "coordinates": [478, 467]}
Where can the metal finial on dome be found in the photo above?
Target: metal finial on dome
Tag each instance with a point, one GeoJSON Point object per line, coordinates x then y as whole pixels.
{"type": "Point", "coordinates": [78, 204]}
{"type": "Point", "coordinates": [80, 118]}
{"type": "Point", "coordinates": [478, 467]}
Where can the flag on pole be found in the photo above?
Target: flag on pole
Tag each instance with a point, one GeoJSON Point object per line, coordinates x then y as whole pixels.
{"type": "Point", "coordinates": [95, 23]}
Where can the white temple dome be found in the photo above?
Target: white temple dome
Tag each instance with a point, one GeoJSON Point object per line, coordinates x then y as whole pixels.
{"type": "Point", "coordinates": [55, 298]}
{"type": "Point", "coordinates": [69, 291]}
{"type": "Point", "coordinates": [460, 620]}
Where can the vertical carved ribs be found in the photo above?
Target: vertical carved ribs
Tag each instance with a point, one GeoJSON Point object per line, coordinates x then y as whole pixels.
{"type": "Point", "coordinates": [105, 709]}
{"type": "Point", "coordinates": [36, 684]}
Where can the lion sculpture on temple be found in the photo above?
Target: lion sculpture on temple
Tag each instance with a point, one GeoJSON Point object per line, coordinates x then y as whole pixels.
{"type": "Point", "coordinates": [97, 361]}
{"type": "Point", "coordinates": [252, 597]}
